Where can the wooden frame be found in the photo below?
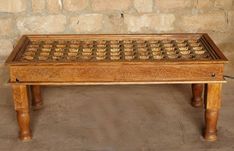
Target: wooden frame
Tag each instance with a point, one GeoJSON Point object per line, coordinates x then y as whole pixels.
{"type": "Point", "coordinates": [79, 72]}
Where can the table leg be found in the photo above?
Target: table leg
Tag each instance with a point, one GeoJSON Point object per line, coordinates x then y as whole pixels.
{"type": "Point", "coordinates": [212, 106]}
{"type": "Point", "coordinates": [197, 90]}
{"type": "Point", "coordinates": [36, 97]}
{"type": "Point", "coordinates": [21, 104]}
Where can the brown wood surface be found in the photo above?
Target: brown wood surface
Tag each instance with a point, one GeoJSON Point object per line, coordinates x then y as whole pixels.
{"type": "Point", "coordinates": [212, 107]}
{"type": "Point", "coordinates": [21, 103]}
{"type": "Point", "coordinates": [197, 90]}
{"type": "Point", "coordinates": [36, 97]}
{"type": "Point", "coordinates": [208, 44]}
{"type": "Point", "coordinates": [116, 73]}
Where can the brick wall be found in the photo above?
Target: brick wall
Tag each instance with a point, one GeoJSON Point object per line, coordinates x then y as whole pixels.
{"type": "Point", "coordinates": [19, 17]}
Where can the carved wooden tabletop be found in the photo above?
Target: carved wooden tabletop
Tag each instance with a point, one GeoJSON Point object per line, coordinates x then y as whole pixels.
{"type": "Point", "coordinates": [88, 48]}
{"type": "Point", "coordinates": [115, 50]}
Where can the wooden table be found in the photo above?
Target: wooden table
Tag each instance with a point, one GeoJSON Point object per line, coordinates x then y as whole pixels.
{"type": "Point", "coordinates": [116, 59]}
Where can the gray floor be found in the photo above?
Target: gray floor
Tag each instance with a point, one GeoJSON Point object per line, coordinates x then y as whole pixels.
{"type": "Point", "coordinates": [117, 118]}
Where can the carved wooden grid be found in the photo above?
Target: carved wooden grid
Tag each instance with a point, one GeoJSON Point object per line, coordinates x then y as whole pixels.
{"type": "Point", "coordinates": [114, 50]}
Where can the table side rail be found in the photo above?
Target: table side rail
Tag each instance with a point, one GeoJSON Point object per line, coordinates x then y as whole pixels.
{"type": "Point", "coordinates": [117, 73]}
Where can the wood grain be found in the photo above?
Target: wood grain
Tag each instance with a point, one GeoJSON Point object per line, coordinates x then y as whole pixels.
{"type": "Point", "coordinates": [36, 97]}
{"type": "Point", "coordinates": [212, 106]}
{"type": "Point", "coordinates": [197, 90]}
{"type": "Point", "coordinates": [21, 103]}
{"type": "Point", "coordinates": [116, 73]}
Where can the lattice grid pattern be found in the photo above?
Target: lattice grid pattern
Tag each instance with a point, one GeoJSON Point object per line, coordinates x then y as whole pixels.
{"type": "Point", "coordinates": [114, 50]}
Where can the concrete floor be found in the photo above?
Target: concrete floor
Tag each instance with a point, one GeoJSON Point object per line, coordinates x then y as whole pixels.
{"type": "Point", "coordinates": [117, 118]}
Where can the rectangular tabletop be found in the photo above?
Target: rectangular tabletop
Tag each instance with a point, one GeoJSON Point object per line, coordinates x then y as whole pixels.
{"type": "Point", "coordinates": [110, 59]}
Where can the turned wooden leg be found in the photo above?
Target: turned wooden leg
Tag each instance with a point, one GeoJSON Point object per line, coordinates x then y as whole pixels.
{"type": "Point", "coordinates": [212, 106]}
{"type": "Point", "coordinates": [197, 90]}
{"type": "Point", "coordinates": [21, 104]}
{"type": "Point", "coordinates": [36, 97]}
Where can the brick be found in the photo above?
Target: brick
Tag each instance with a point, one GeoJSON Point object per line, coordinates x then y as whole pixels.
{"type": "Point", "coordinates": [212, 21]}
{"type": "Point", "coordinates": [54, 6]}
{"type": "Point", "coordinates": [103, 5]}
{"type": "Point", "coordinates": [5, 47]}
{"type": "Point", "coordinates": [221, 38]}
{"type": "Point", "coordinates": [113, 23]}
{"type": "Point", "coordinates": [6, 27]}
{"type": "Point", "coordinates": [154, 22]}
{"type": "Point", "coordinates": [231, 20]}
{"type": "Point", "coordinates": [75, 5]}
{"type": "Point", "coordinates": [42, 24]}
{"type": "Point", "coordinates": [87, 23]}
{"type": "Point", "coordinates": [165, 5]}
{"type": "Point", "coordinates": [38, 6]}
{"type": "Point", "coordinates": [204, 4]}
{"type": "Point", "coordinates": [225, 4]}
{"type": "Point", "coordinates": [166, 22]}
{"type": "Point", "coordinates": [135, 23]}
{"type": "Point", "coordinates": [12, 6]}
{"type": "Point", "coordinates": [143, 6]}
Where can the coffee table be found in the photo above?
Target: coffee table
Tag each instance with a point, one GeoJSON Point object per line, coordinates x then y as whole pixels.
{"type": "Point", "coordinates": [116, 59]}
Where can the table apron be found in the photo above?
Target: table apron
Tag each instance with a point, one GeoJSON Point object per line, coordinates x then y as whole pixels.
{"type": "Point", "coordinates": [117, 73]}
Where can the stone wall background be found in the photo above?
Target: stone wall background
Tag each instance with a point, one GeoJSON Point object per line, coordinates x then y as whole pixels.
{"type": "Point", "coordinates": [19, 17]}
